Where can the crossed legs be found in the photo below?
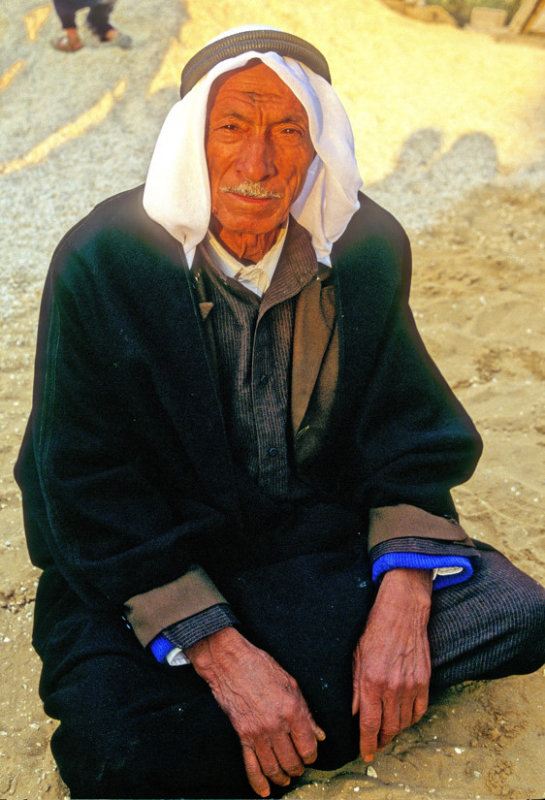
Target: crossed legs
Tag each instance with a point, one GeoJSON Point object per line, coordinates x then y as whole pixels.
{"type": "Point", "coordinates": [132, 728]}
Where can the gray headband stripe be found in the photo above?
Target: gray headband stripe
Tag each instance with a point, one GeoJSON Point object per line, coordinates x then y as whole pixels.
{"type": "Point", "coordinates": [262, 42]}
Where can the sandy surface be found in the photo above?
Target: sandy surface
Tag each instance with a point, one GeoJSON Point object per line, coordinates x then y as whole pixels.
{"type": "Point", "coordinates": [450, 131]}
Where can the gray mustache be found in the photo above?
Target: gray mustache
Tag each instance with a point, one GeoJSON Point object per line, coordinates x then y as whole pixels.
{"type": "Point", "coordinates": [250, 189]}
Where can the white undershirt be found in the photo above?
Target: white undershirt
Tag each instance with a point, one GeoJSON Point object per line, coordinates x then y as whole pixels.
{"type": "Point", "coordinates": [256, 277]}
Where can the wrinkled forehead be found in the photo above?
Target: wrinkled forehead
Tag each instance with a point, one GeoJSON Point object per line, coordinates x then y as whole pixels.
{"type": "Point", "coordinates": [255, 84]}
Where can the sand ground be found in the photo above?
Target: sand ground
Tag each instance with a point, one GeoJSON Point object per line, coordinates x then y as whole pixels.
{"type": "Point", "coordinates": [450, 133]}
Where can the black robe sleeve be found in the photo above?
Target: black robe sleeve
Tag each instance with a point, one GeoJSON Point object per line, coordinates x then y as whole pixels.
{"type": "Point", "coordinates": [401, 434]}
{"type": "Point", "coordinates": [111, 494]}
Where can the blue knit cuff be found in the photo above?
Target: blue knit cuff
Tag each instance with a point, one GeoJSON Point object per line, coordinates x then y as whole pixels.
{"type": "Point", "coordinates": [161, 647]}
{"type": "Point", "coordinates": [390, 561]}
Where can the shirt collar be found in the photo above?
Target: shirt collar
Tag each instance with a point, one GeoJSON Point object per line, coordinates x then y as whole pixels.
{"type": "Point", "coordinates": [256, 277]}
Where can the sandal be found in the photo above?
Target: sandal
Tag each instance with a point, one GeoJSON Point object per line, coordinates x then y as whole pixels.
{"type": "Point", "coordinates": [67, 43]}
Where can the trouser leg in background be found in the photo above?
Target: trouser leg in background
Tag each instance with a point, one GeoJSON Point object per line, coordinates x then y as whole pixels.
{"type": "Point", "coordinates": [98, 18]}
{"type": "Point", "coordinates": [66, 11]}
{"type": "Point", "coordinates": [132, 728]}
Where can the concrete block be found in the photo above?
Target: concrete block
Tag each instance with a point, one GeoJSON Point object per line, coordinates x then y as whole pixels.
{"type": "Point", "coordinates": [487, 19]}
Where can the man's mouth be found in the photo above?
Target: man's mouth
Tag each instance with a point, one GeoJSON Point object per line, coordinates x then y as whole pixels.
{"type": "Point", "coordinates": [252, 191]}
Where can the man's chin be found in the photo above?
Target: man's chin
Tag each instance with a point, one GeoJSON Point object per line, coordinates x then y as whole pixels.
{"type": "Point", "coordinates": [255, 221]}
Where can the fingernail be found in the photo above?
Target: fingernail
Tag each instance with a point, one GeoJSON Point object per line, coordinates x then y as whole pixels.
{"type": "Point", "coordinates": [368, 758]}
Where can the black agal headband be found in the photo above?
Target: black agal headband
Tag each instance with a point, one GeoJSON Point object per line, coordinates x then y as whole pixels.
{"type": "Point", "coordinates": [262, 41]}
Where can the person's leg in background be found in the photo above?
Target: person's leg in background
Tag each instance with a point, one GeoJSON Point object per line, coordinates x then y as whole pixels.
{"type": "Point", "coordinates": [98, 21]}
{"type": "Point", "coordinates": [70, 40]}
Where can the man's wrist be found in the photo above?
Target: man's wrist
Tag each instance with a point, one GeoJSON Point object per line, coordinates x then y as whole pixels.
{"type": "Point", "coordinates": [406, 584]}
{"type": "Point", "coordinates": [212, 652]}
{"type": "Point", "coordinates": [417, 575]}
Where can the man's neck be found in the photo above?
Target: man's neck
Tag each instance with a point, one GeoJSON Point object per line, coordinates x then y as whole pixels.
{"type": "Point", "coordinates": [254, 276]}
{"type": "Point", "coordinates": [245, 247]}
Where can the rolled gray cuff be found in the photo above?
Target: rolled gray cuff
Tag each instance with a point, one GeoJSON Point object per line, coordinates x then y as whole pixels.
{"type": "Point", "coordinates": [191, 630]}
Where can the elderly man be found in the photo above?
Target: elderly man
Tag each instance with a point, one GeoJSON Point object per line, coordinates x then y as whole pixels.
{"type": "Point", "coordinates": [237, 471]}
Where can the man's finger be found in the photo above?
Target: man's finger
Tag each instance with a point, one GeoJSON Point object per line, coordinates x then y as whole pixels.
{"type": "Point", "coordinates": [288, 756]}
{"type": "Point", "coordinates": [420, 705]}
{"type": "Point", "coordinates": [306, 745]}
{"type": "Point", "coordinates": [393, 713]}
{"type": "Point", "coordinates": [355, 682]}
{"type": "Point", "coordinates": [405, 715]}
{"type": "Point", "coordinates": [399, 714]}
{"type": "Point", "coordinates": [370, 726]}
{"type": "Point", "coordinates": [256, 779]}
{"type": "Point", "coordinates": [318, 732]}
{"type": "Point", "coordinates": [355, 695]}
{"type": "Point", "coordinates": [305, 735]}
{"type": "Point", "coordinates": [270, 765]}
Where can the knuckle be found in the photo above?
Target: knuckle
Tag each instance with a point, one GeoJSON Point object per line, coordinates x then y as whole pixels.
{"type": "Point", "coordinates": [292, 684]}
{"type": "Point", "coordinates": [308, 755]}
{"type": "Point", "coordinates": [377, 680]}
{"type": "Point", "coordinates": [369, 722]}
{"type": "Point", "coordinates": [253, 770]}
{"type": "Point", "coordinates": [396, 687]}
{"type": "Point", "coordinates": [247, 739]}
{"type": "Point", "coordinates": [270, 767]}
{"type": "Point", "coordinates": [419, 711]}
{"type": "Point", "coordinates": [273, 772]}
{"type": "Point", "coordinates": [422, 683]}
{"type": "Point", "coordinates": [294, 768]}
{"type": "Point", "coordinates": [290, 707]}
{"type": "Point", "coordinates": [279, 777]}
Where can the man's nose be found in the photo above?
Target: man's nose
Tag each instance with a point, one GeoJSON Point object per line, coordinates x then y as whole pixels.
{"type": "Point", "coordinates": [257, 158]}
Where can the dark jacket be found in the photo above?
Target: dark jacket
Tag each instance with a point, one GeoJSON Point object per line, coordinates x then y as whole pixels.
{"type": "Point", "coordinates": [125, 468]}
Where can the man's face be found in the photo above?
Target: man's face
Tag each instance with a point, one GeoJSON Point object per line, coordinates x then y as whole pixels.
{"type": "Point", "coordinates": [258, 150]}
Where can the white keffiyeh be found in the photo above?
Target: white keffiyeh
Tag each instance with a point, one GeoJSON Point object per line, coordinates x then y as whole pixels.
{"type": "Point", "coordinates": [177, 191]}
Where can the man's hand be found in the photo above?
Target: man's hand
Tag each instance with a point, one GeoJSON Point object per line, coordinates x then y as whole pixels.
{"type": "Point", "coordinates": [392, 660]}
{"type": "Point", "coordinates": [265, 707]}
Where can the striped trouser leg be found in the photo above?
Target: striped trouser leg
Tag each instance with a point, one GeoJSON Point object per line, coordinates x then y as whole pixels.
{"type": "Point", "coordinates": [491, 626]}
